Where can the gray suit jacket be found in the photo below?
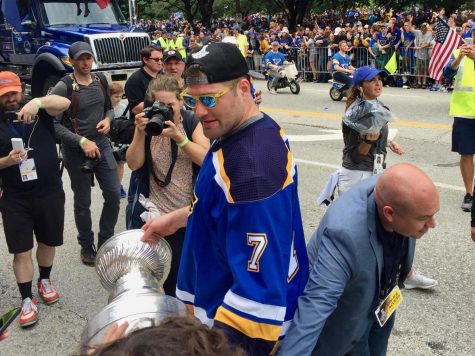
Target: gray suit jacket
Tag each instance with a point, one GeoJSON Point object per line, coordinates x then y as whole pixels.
{"type": "Point", "coordinates": [346, 262]}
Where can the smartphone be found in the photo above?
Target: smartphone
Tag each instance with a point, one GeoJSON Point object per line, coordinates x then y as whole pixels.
{"type": "Point", "coordinates": [7, 319]}
{"type": "Point", "coordinates": [17, 144]}
{"type": "Point", "coordinates": [468, 41]}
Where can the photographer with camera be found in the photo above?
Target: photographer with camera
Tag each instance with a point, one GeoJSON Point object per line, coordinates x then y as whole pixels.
{"type": "Point", "coordinates": [86, 148]}
{"type": "Point", "coordinates": [170, 142]}
{"type": "Point", "coordinates": [32, 199]}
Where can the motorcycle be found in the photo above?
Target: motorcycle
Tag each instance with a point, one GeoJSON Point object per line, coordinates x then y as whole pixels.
{"type": "Point", "coordinates": [338, 90]}
{"type": "Point", "coordinates": [288, 78]}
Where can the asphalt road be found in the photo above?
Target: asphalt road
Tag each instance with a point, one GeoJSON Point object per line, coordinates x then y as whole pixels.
{"type": "Point", "coordinates": [435, 322]}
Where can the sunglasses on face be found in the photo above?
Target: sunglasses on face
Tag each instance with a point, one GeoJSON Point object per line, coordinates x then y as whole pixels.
{"type": "Point", "coordinates": [157, 59]}
{"type": "Point", "coordinates": [208, 100]}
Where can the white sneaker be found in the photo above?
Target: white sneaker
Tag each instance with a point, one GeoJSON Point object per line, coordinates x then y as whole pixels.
{"type": "Point", "coordinates": [417, 280]}
{"type": "Point", "coordinates": [273, 91]}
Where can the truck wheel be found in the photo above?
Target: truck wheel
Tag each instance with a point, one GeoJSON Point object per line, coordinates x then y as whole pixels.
{"type": "Point", "coordinates": [49, 83]}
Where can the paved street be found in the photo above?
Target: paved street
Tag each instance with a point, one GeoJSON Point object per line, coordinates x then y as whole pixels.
{"type": "Point", "coordinates": [435, 322]}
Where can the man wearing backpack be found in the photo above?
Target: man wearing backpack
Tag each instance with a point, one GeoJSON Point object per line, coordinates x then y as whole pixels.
{"type": "Point", "coordinates": [86, 148]}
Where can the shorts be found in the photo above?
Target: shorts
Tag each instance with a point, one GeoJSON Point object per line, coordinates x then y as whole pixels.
{"type": "Point", "coordinates": [463, 136]}
{"type": "Point", "coordinates": [43, 216]}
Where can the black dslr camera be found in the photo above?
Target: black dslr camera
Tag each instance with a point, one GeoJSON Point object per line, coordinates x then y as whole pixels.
{"type": "Point", "coordinates": [89, 164]}
{"type": "Point", "coordinates": [158, 113]}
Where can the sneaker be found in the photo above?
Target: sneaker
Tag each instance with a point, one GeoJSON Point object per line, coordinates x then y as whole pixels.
{"type": "Point", "coordinates": [47, 292]}
{"type": "Point", "coordinates": [88, 255]}
{"type": "Point", "coordinates": [467, 202]}
{"type": "Point", "coordinates": [29, 312]}
{"type": "Point", "coordinates": [273, 91]}
{"type": "Point", "coordinates": [123, 193]}
{"type": "Point", "coordinates": [417, 280]}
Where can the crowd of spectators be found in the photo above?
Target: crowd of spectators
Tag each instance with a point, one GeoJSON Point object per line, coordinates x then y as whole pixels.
{"type": "Point", "coordinates": [373, 35]}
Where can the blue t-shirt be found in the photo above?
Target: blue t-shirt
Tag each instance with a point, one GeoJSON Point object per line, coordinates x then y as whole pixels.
{"type": "Point", "coordinates": [274, 58]}
{"type": "Point", "coordinates": [342, 61]}
{"type": "Point", "coordinates": [395, 36]}
{"type": "Point", "coordinates": [408, 38]}
{"type": "Point", "coordinates": [383, 40]}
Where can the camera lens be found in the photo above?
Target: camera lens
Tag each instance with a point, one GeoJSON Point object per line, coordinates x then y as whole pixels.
{"type": "Point", "coordinates": [155, 125]}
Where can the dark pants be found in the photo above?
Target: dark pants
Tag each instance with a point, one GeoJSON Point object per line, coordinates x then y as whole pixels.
{"type": "Point", "coordinates": [375, 341]}
{"type": "Point", "coordinates": [343, 78]}
{"type": "Point", "coordinates": [106, 174]}
{"type": "Point", "coordinates": [176, 243]}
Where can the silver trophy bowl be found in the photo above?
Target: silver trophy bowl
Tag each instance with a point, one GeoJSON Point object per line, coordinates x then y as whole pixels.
{"type": "Point", "coordinates": [134, 272]}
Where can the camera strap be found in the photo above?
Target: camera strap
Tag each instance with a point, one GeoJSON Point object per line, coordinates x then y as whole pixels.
{"type": "Point", "coordinates": [168, 177]}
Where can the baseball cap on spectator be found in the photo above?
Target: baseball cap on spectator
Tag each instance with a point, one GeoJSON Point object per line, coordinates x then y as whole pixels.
{"type": "Point", "coordinates": [79, 48]}
{"type": "Point", "coordinates": [367, 73]}
{"type": "Point", "coordinates": [171, 54]}
{"type": "Point", "coordinates": [219, 62]}
{"type": "Point", "coordinates": [285, 30]}
{"type": "Point", "coordinates": [9, 82]}
{"type": "Point", "coordinates": [337, 31]}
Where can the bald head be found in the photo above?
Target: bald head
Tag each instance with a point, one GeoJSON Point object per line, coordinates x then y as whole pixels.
{"type": "Point", "coordinates": [407, 200]}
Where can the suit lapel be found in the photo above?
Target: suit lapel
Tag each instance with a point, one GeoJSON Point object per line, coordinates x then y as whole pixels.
{"type": "Point", "coordinates": [373, 237]}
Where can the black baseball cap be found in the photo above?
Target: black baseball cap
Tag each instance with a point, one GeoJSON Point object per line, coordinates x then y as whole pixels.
{"type": "Point", "coordinates": [78, 48]}
{"type": "Point", "coordinates": [171, 54]}
{"type": "Point", "coordinates": [219, 61]}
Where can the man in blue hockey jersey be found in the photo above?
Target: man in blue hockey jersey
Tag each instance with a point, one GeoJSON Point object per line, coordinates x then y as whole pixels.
{"type": "Point", "coordinates": [244, 261]}
{"type": "Point", "coordinates": [273, 61]}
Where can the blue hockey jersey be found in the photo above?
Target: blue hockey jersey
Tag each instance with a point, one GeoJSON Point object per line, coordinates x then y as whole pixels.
{"type": "Point", "coordinates": [244, 261]}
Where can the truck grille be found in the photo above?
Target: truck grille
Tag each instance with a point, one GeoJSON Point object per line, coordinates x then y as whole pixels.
{"type": "Point", "coordinates": [113, 50]}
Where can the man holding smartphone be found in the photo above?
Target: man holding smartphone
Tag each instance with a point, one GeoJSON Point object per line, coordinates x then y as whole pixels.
{"type": "Point", "coordinates": [31, 181]}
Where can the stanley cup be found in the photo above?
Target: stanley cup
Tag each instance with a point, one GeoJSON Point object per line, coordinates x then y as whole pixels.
{"type": "Point", "coordinates": [134, 272]}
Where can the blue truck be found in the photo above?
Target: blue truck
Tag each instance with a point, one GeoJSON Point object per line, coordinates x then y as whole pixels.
{"type": "Point", "coordinates": [35, 36]}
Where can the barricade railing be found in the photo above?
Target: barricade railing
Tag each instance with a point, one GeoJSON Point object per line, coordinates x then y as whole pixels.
{"type": "Point", "coordinates": [315, 63]}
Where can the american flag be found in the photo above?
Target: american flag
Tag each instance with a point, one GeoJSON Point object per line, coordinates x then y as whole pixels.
{"type": "Point", "coordinates": [446, 41]}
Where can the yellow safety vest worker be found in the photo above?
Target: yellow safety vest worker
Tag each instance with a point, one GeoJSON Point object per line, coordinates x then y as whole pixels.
{"type": "Point", "coordinates": [462, 101]}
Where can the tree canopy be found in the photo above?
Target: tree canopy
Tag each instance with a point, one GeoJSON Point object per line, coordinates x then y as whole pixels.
{"type": "Point", "coordinates": [293, 10]}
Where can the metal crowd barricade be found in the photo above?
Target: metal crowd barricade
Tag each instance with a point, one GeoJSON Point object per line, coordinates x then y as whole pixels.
{"type": "Point", "coordinates": [316, 63]}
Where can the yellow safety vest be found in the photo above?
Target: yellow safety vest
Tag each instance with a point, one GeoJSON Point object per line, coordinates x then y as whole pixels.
{"type": "Point", "coordinates": [171, 44]}
{"type": "Point", "coordinates": [242, 41]}
{"type": "Point", "coordinates": [180, 47]}
{"type": "Point", "coordinates": [163, 43]}
{"type": "Point", "coordinates": [462, 102]}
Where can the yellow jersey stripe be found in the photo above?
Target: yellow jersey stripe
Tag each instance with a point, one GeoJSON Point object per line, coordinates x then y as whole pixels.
{"type": "Point", "coordinates": [224, 176]}
{"type": "Point", "coordinates": [248, 327]}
